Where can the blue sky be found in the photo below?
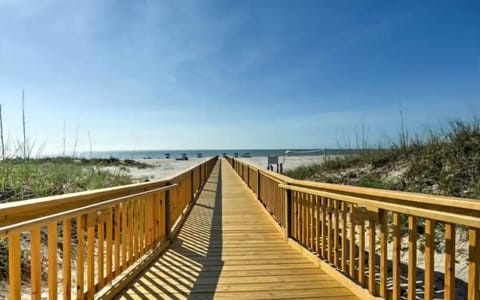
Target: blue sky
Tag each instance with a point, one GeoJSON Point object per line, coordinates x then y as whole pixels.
{"type": "Point", "coordinates": [235, 74]}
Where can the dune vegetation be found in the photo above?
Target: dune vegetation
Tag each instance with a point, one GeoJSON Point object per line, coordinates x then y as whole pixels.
{"type": "Point", "coordinates": [32, 178]}
{"type": "Point", "coordinates": [443, 162]}
{"type": "Point", "coordinates": [22, 179]}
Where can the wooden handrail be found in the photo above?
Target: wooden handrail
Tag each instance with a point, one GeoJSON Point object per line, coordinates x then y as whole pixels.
{"type": "Point", "coordinates": [470, 206]}
{"type": "Point", "coordinates": [14, 212]}
{"type": "Point", "coordinates": [458, 219]}
{"type": "Point", "coordinates": [114, 227]}
{"type": "Point", "coordinates": [42, 221]}
{"type": "Point", "coordinates": [452, 202]}
{"type": "Point", "coordinates": [331, 221]}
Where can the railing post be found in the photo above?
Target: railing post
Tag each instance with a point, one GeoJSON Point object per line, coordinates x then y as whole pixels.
{"type": "Point", "coordinates": [14, 266]}
{"type": "Point", "coordinates": [258, 184]}
{"type": "Point", "coordinates": [473, 263]}
{"type": "Point", "coordinates": [192, 193]}
{"type": "Point", "coordinates": [383, 252]}
{"type": "Point", "coordinates": [167, 213]}
{"type": "Point", "coordinates": [200, 178]}
{"type": "Point", "coordinates": [288, 200]}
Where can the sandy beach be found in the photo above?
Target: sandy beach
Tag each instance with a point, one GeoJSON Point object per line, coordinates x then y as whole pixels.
{"type": "Point", "coordinates": [162, 168]}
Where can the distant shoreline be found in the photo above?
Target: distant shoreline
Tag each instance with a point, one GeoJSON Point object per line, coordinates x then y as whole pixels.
{"type": "Point", "coordinates": [194, 153]}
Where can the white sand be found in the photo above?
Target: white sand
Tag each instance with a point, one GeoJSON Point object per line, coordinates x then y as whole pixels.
{"type": "Point", "coordinates": [167, 167]}
{"type": "Point", "coordinates": [161, 168]}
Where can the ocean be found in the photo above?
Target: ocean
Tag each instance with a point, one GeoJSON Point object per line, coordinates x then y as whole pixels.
{"type": "Point", "coordinates": [139, 154]}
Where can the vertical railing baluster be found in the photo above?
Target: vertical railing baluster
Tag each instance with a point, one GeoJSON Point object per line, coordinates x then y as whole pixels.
{"type": "Point", "coordinates": [371, 256]}
{"type": "Point", "coordinates": [344, 236]}
{"type": "Point", "coordinates": [329, 230]}
{"type": "Point", "coordinates": [383, 252]}
{"type": "Point", "coordinates": [412, 257]}
{"type": "Point", "coordinates": [14, 266]}
{"type": "Point", "coordinates": [473, 263]}
{"type": "Point", "coordinates": [167, 214]}
{"type": "Point", "coordinates": [288, 205]}
{"type": "Point", "coordinates": [361, 252]}
{"type": "Point", "coordinates": [324, 227]}
{"type": "Point", "coordinates": [135, 222]}
{"type": "Point", "coordinates": [109, 253]}
{"type": "Point", "coordinates": [317, 224]}
{"type": "Point", "coordinates": [449, 261]}
{"type": "Point", "coordinates": [100, 254]}
{"type": "Point", "coordinates": [81, 223]}
{"type": "Point", "coordinates": [429, 259]}
{"type": "Point", "coordinates": [352, 243]}
{"type": "Point", "coordinates": [67, 259]}
{"type": "Point", "coordinates": [125, 230]}
{"type": "Point", "coordinates": [396, 256]}
{"type": "Point", "coordinates": [131, 229]}
{"type": "Point", "coordinates": [117, 239]}
{"type": "Point", "coordinates": [143, 219]}
{"type": "Point", "coordinates": [91, 256]}
{"type": "Point", "coordinates": [52, 260]}
{"type": "Point", "coordinates": [36, 264]}
{"type": "Point", "coordinates": [258, 184]}
{"type": "Point", "coordinates": [310, 221]}
{"type": "Point", "coordinates": [336, 233]}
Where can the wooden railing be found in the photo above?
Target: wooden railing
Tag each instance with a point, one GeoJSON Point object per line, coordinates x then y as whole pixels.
{"type": "Point", "coordinates": [353, 228]}
{"type": "Point", "coordinates": [266, 185]}
{"type": "Point", "coordinates": [102, 233]}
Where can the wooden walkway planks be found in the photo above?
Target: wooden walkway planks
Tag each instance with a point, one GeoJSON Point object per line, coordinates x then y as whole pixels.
{"type": "Point", "coordinates": [229, 248]}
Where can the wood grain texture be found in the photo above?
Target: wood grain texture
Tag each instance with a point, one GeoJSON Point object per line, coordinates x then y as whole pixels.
{"type": "Point", "coordinates": [473, 266]}
{"type": "Point", "coordinates": [14, 269]}
{"type": "Point", "coordinates": [371, 256]}
{"type": "Point", "coordinates": [230, 248]}
{"type": "Point", "coordinates": [52, 261]}
{"type": "Point", "coordinates": [449, 261]}
{"type": "Point", "coordinates": [67, 257]}
{"type": "Point", "coordinates": [429, 259]}
{"type": "Point", "coordinates": [80, 256]}
{"type": "Point", "coordinates": [412, 258]}
{"type": "Point", "coordinates": [396, 236]}
{"type": "Point", "coordinates": [36, 265]}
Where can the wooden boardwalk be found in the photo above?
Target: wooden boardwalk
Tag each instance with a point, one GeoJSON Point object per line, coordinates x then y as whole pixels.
{"type": "Point", "coordinates": [229, 247]}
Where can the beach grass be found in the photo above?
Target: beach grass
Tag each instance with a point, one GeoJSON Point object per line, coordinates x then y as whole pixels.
{"type": "Point", "coordinates": [444, 162]}
{"type": "Point", "coordinates": [33, 178]}
{"type": "Point", "coordinates": [25, 179]}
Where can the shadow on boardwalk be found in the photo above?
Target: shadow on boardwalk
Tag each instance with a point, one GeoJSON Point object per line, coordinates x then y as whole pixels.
{"type": "Point", "coordinates": [230, 248]}
{"type": "Point", "coordinates": [193, 263]}
{"type": "Point", "coordinates": [439, 277]}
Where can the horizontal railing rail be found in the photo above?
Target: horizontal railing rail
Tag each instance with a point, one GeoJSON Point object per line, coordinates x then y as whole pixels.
{"type": "Point", "coordinates": [265, 184]}
{"type": "Point", "coordinates": [102, 234]}
{"type": "Point", "coordinates": [42, 221]}
{"type": "Point", "coordinates": [359, 231]}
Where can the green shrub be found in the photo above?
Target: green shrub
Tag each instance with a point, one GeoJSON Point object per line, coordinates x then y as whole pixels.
{"type": "Point", "coordinates": [445, 162]}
